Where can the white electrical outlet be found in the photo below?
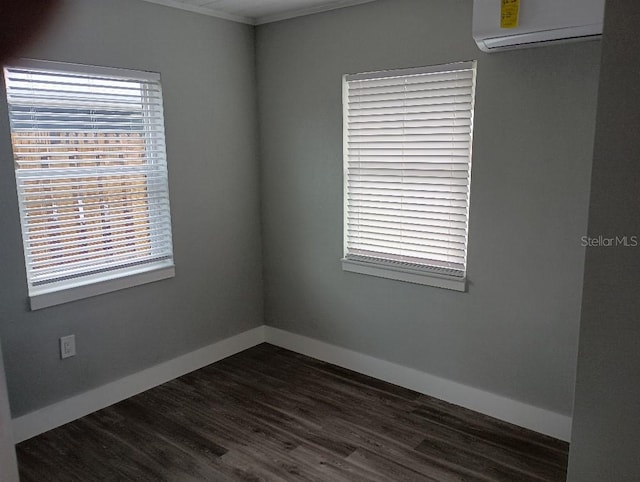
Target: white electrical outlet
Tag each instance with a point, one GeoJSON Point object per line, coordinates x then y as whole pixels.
{"type": "Point", "coordinates": [67, 346]}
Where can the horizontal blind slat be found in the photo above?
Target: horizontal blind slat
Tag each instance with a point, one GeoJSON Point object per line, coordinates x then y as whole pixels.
{"type": "Point", "coordinates": [44, 156]}
{"type": "Point", "coordinates": [395, 170]}
{"type": "Point", "coordinates": [415, 191]}
{"type": "Point", "coordinates": [54, 227]}
{"type": "Point", "coordinates": [454, 211]}
{"type": "Point", "coordinates": [71, 252]}
{"type": "Point", "coordinates": [430, 229]}
{"type": "Point", "coordinates": [71, 261]}
{"type": "Point", "coordinates": [90, 232]}
{"type": "Point", "coordinates": [445, 240]}
{"type": "Point", "coordinates": [442, 108]}
{"type": "Point", "coordinates": [86, 201]}
{"type": "Point", "coordinates": [424, 224]}
{"type": "Point", "coordinates": [415, 217]}
{"type": "Point", "coordinates": [418, 204]}
{"type": "Point", "coordinates": [386, 81]}
{"type": "Point", "coordinates": [409, 198]}
{"type": "Point", "coordinates": [391, 132]}
{"type": "Point", "coordinates": [89, 267]}
{"type": "Point", "coordinates": [62, 186]}
{"type": "Point", "coordinates": [414, 250]}
{"type": "Point", "coordinates": [105, 213]}
{"type": "Point", "coordinates": [404, 87]}
{"type": "Point", "coordinates": [414, 244]}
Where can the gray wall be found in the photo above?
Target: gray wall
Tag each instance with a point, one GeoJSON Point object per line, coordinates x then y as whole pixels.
{"type": "Point", "coordinates": [515, 332]}
{"type": "Point", "coordinates": [606, 427]}
{"type": "Point", "coordinates": [208, 75]}
{"type": "Point", "coordinates": [8, 463]}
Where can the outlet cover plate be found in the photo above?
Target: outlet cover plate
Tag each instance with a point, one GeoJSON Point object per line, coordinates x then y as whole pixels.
{"type": "Point", "coordinates": [67, 346]}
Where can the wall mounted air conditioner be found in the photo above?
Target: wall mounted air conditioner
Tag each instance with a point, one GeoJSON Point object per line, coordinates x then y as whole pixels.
{"type": "Point", "coordinates": [540, 22]}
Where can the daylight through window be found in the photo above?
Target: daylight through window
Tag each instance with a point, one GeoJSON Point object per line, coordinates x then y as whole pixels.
{"type": "Point", "coordinates": [91, 175]}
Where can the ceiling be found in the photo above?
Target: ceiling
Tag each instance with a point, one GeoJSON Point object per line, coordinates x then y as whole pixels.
{"type": "Point", "coordinates": [256, 12]}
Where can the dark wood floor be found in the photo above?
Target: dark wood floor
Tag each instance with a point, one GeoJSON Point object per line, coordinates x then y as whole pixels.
{"type": "Point", "coordinates": [270, 414]}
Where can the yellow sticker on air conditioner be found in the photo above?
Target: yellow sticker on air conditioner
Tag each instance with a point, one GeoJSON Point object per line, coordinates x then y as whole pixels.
{"type": "Point", "coordinates": [509, 13]}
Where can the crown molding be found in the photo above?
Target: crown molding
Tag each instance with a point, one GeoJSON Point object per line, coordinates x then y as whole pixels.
{"type": "Point", "coordinates": [204, 11]}
{"type": "Point", "coordinates": [301, 12]}
{"type": "Point", "coordinates": [334, 5]}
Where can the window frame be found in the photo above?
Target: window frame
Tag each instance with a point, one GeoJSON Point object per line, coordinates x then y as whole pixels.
{"type": "Point", "coordinates": [404, 271]}
{"type": "Point", "coordinates": [129, 275]}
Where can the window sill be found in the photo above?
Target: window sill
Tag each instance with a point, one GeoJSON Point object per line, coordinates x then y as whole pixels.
{"type": "Point", "coordinates": [51, 296]}
{"type": "Point", "coordinates": [408, 275]}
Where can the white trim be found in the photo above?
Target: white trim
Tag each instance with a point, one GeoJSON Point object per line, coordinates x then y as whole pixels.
{"type": "Point", "coordinates": [204, 11]}
{"type": "Point", "coordinates": [99, 285]}
{"type": "Point", "coordinates": [524, 415]}
{"type": "Point", "coordinates": [345, 166]}
{"type": "Point", "coordinates": [401, 273]}
{"type": "Point", "coordinates": [73, 68]}
{"type": "Point", "coordinates": [309, 11]}
{"type": "Point", "coordinates": [52, 416]}
{"type": "Point", "coordinates": [430, 69]}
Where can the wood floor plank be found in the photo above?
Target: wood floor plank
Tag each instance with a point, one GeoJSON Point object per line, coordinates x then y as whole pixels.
{"type": "Point", "coordinates": [460, 458]}
{"type": "Point", "coordinates": [495, 432]}
{"type": "Point", "coordinates": [334, 399]}
{"type": "Point", "coordinates": [335, 468]}
{"type": "Point", "coordinates": [392, 469]}
{"type": "Point", "coordinates": [373, 441]}
{"type": "Point", "coordinates": [273, 415]}
{"type": "Point", "coordinates": [521, 461]}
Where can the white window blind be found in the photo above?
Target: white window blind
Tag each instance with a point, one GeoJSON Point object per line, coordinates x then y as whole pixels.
{"type": "Point", "coordinates": [91, 173]}
{"type": "Point", "coordinates": [408, 137]}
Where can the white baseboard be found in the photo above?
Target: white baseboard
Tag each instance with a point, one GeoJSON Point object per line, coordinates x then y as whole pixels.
{"type": "Point", "coordinates": [52, 416]}
{"type": "Point", "coordinates": [518, 413]}
{"type": "Point", "coordinates": [528, 416]}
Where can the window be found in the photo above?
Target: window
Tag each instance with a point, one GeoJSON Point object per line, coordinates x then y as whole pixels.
{"type": "Point", "coordinates": [91, 176]}
{"type": "Point", "coordinates": [407, 174]}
